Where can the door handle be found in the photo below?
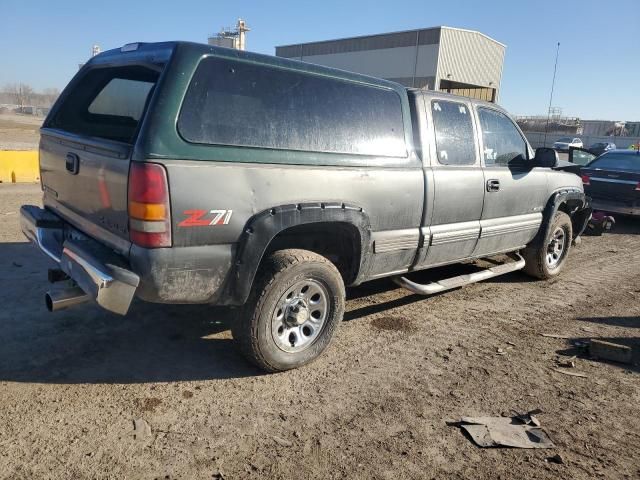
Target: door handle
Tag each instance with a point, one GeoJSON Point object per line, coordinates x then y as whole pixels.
{"type": "Point", "coordinates": [493, 185]}
{"type": "Point", "coordinates": [72, 163]}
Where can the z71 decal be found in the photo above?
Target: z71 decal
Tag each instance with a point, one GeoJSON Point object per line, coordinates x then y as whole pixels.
{"type": "Point", "coordinates": [204, 218]}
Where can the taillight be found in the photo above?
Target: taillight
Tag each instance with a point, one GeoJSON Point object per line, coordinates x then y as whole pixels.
{"type": "Point", "coordinates": [586, 180]}
{"type": "Point", "coordinates": [149, 212]}
{"type": "Point", "coordinates": [638, 187]}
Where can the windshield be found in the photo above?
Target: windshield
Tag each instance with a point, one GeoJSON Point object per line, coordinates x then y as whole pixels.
{"type": "Point", "coordinates": [617, 161]}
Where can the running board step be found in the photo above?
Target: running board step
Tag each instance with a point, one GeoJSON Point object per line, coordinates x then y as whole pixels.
{"type": "Point", "coordinates": [460, 280]}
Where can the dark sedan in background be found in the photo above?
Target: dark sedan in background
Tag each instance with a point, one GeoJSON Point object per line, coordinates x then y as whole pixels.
{"type": "Point", "coordinates": [601, 147]}
{"type": "Point", "coordinates": [612, 180]}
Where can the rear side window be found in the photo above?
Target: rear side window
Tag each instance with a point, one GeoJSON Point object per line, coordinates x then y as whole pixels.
{"type": "Point", "coordinates": [107, 103]}
{"type": "Point", "coordinates": [454, 133]}
{"type": "Point", "coordinates": [503, 144]}
{"type": "Point", "coordinates": [243, 104]}
{"type": "Point", "coordinates": [624, 162]}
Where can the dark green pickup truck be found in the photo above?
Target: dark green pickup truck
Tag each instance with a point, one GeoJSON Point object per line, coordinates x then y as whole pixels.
{"type": "Point", "coordinates": [184, 173]}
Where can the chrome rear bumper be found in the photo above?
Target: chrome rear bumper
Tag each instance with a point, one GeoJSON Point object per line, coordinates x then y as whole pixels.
{"type": "Point", "coordinates": [101, 274]}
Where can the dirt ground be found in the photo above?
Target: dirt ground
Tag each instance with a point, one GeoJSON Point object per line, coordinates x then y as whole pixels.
{"type": "Point", "coordinates": [375, 406]}
{"type": "Point", "coordinates": [19, 132]}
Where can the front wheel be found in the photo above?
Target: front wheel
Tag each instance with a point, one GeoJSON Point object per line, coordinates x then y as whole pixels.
{"type": "Point", "coordinates": [547, 258]}
{"type": "Point", "coordinates": [293, 311]}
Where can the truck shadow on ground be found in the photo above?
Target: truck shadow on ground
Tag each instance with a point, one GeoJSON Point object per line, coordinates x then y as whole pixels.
{"type": "Point", "coordinates": [626, 322]}
{"type": "Point", "coordinates": [153, 343]}
{"type": "Point", "coordinates": [625, 225]}
{"type": "Point", "coordinates": [386, 285]}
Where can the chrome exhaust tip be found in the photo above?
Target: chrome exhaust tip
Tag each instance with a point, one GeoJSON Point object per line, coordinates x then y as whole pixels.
{"type": "Point", "coordinates": [65, 298]}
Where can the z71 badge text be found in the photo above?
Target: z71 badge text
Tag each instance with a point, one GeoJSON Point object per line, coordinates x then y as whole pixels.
{"type": "Point", "coordinates": [205, 218]}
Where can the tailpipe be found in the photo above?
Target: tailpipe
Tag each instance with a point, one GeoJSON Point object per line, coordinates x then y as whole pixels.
{"type": "Point", "coordinates": [65, 298]}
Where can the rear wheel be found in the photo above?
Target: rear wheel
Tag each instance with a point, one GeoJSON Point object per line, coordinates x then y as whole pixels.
{"type": "Point", "coordinates": [293, 311]}
{"type": "Point", "coordinates": [547, 258]}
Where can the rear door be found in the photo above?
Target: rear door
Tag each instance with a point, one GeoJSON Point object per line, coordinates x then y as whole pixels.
{"type": "Point", "coordinates": [515, 193]}
{"type": "Point", "coordinates": [86, 145]}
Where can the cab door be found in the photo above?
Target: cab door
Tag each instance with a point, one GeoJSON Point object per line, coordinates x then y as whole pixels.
{"type": "Point", "coordinates": [451, 224]}
{"type": "Point", "coordinates": [515, 193]}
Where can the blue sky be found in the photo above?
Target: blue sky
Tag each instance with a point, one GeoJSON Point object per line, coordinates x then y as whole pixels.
{"type": "Point", "coordinates": [42, 41]}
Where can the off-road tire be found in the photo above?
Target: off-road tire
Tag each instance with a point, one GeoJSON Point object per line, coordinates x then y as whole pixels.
{"type": "Point", "coordinates": [277, 273]}
{"type": "Point", "coordinates": [535, 254]}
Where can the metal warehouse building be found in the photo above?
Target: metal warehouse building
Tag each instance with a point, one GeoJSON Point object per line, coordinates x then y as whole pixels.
{"type": "Point", "coordinates": [464, 62]}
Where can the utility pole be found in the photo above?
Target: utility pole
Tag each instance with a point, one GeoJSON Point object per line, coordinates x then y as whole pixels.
{"type": "Point", "coordinates": [553, 83]}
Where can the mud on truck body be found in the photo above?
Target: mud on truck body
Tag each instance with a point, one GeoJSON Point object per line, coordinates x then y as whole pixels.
{"type": "Point", "coordinates": [185, 173]}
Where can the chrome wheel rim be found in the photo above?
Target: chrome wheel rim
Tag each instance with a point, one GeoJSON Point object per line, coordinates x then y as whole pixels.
{"type": "Point", "coordinates": [300, 315]}
{"type": "Point", "coordinates": [556, 247]}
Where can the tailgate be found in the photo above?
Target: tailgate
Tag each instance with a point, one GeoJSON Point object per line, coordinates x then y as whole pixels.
{"type": "Point", "coordinates": [87, 141]}
{"type": "Point", "coordinates": [86, 182]}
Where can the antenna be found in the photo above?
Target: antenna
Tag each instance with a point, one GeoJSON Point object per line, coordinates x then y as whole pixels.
{"type": "Point", "coordinates": [553, 83]}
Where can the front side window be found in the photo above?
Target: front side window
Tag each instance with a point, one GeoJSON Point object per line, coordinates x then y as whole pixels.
{"type": "Point", "coordinates": [503, 144]}
{"type": "Point", "coordinates": [455, 143]}
{"type": "Point", "coordinates": [238, 103]}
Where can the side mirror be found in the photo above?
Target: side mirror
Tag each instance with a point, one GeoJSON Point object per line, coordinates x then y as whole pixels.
{"type": "Point", "coordinates": [545, 157]}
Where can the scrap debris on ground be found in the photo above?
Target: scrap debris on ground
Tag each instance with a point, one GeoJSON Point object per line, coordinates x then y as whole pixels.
{"type": "Point", "coordinates": [519, 431]}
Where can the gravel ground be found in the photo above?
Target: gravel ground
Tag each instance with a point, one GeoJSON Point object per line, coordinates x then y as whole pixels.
{"type": "Point", "coordinates": [376, 405]}
{"type": "Point", "coordinates": [19, 132]}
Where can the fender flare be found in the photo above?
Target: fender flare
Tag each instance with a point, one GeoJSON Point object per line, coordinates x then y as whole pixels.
{"type": "Point", "coordinates": [579, 217]}
{"type": "Point", "coordinates": [263, 227]}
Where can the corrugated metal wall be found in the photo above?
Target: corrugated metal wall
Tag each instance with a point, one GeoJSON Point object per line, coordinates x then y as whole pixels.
{"type": "Point", "coordinates": [389, 63]}
{"type": "Point", "coordinates": [470, 57]}
{"type": "Point", "coordinates": [409, 58]}
{"type": "Point", "coordinates": [415, 58]}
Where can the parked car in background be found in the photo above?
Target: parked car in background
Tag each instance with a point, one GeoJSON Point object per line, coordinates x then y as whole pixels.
{"type": "Point", "coordinates": [599, 148]}
{"type": "Point", "coordinates": [612, 180]}
{"type": "Point", "coordinates": [563, 144]}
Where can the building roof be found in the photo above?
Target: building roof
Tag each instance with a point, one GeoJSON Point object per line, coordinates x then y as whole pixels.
{"type": "Point", "coordinates": [401, 32]}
